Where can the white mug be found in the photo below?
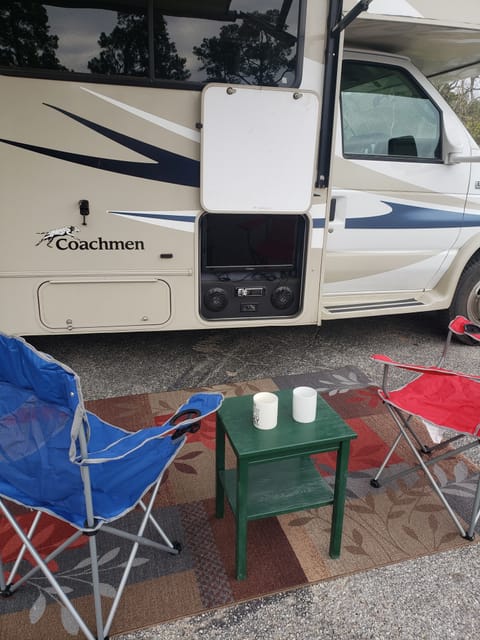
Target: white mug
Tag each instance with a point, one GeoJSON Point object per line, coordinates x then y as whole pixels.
{"type": "Point", "coordinates": [265, 410]}
{"type": "Point", "coordinates": [304, 404]}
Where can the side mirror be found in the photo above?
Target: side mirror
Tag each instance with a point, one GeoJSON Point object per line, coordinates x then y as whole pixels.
{"type": "Point", "coordinates": [456, 147]}
{"type": "Point", "coordinates": [457, 158]}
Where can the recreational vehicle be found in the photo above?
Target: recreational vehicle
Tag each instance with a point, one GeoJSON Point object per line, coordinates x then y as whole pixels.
{"type": "Point", "coordinates": [171, 164]}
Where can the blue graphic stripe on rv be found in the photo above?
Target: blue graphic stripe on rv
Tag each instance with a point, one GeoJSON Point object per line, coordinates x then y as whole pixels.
{"type": "Point", "coordinates": [172, 171]}
{"type": "Point", "coordinates": [157, 216]}
{"type": "Point", "coordinates": [406, 216]}
{"type": "Point", "coordinates": [167, 166]}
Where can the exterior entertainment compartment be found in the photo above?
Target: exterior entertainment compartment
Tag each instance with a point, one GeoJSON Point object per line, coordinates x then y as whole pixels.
{"type": "Point", "coordinates": [252, 265]}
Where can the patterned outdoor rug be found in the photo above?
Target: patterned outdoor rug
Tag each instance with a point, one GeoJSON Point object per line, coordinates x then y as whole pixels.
{"type": "Point", "coordinates": [401, 521]}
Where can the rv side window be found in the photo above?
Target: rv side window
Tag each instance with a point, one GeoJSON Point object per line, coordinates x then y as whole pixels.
{"type": "Point", "coordinates": [236, 41]}
{"type": "Point", "coordinates": [386, 113]}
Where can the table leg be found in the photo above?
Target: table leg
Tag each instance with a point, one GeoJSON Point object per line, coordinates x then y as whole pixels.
{"type": "Point", "coordinates": [219, 469]}
{"type": "Point", "coordinates": [242, 520]}
{"type": "Point", "coordinates": [339, 499]}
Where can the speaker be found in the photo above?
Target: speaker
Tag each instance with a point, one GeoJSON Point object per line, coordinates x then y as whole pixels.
{"type": "Point", "coordinates": [215, 299]}
{"type": "Point", "coordinates": [252, 298]}
{"type": "Point", "coordinates": [282, 297]}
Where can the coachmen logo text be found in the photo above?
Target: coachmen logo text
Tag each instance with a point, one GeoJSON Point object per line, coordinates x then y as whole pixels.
{"type": "Point", "coordinates": [64, 239]}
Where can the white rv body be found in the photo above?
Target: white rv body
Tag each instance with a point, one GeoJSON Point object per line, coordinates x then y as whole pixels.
{"type": "Point", "coordinates": [136, 204]}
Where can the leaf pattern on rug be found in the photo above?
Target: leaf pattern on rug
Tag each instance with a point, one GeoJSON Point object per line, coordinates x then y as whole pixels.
{"type": "Point", "coordinates": [383, 527]}
{"type": "Point", "coordinates": [340, 381]}
{"type": "Point", "coordinates": [70, 579]}
{"type": "Point", "coordinates": [397, 522]}
{"type": "Point", "coordinates": [368, 397]}
{"type": "Point", "coordinates": [180, 464]}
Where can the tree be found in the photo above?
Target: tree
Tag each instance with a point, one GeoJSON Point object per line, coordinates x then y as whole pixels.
{"type": "Point", "coordinates": [126, 50]}
{"type": "Point", "coordinates": [254, 52]}
{"type": "Point", "coordinates": [24, 36]}
{"type": "Point", "coordinates": [463, 97]}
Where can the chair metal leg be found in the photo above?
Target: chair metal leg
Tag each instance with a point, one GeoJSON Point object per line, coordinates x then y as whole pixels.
{"type": "Point", "coordinates": [421, 463]}
{"type": "Point", "coordinates": [160, 531]}
{"type": "Point", "coordinates": [445, 443]}
{"type": "Point", "coordinates": [48, 559]}
{"type": "Point", "coordinates": [19, 558]}
{"type": "Point", "coordinates": [48, 574]}
{"type": "Point", "coordinates": [92, 543]}
{"type": "Point", "coordinates": [3, 586]}
{"type": "Point", "coordinates": [374, 481]}
{"type": "Point", "coordinates": [427, 463]}
{"type": "Point", "coordinates": [139, 539]}
{"type": "Point", "coordinates": [423, 447]}
{"type": "Point", "coordinates": [398, 417]}
{"type": "Point", "coordinates": [42, 564]}
{"type": "Point", "coordinates": [475, 513]}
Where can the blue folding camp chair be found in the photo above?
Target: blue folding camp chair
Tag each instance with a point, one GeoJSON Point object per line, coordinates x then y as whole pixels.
{"type": "Point", "coordinates": [57, 458]}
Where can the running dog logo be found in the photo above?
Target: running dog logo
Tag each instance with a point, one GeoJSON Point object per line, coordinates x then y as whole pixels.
{"type": "Point", "coordinates": [49, 236]}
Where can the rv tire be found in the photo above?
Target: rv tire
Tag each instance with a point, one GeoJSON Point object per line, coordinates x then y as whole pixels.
{"type": "Point", "coordinates": [466, 301]}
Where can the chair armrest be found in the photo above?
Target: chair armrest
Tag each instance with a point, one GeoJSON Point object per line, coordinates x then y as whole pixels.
{"type": "Point", "coordinates": [124, 446]}
{"type": "Point", "coordinates": [463, 326]}
{"type": "Point", "coordinates": [115, 443]}
{"type": "Point", "coordinates": [388, 362]}
{"type": "Point", "coordinates": [418, 369]}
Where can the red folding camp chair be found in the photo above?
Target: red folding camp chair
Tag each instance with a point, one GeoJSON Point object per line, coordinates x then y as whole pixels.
{"type": "Point", "coordinates": [443, 400]}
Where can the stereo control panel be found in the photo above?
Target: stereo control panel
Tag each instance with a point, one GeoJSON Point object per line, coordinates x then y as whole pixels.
{"type": "Point", "coordinates": [222, 299]}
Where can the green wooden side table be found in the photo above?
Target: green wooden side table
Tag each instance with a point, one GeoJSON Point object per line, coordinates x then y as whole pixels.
{"type": "Point", "coordinates": [274, 472]}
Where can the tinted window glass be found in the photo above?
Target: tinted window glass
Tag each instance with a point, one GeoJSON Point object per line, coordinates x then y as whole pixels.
{"type": "Point", "coordinates": [241, 41]}
{"type": "Point", "coordinates": [385, 113]}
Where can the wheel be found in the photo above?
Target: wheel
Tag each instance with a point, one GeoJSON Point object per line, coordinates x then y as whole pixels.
{"type": "Point", "coordinates": [466, 301]}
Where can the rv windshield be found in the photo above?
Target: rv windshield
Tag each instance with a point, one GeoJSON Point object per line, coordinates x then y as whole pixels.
{"type": "Point", "coordinates": [242, 41]}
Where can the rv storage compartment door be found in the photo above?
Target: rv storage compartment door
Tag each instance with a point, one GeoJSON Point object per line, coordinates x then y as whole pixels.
{"type": "Point", "coordinates": [104, 303]}
{"type": "Point", "coordinates": [258, 149]}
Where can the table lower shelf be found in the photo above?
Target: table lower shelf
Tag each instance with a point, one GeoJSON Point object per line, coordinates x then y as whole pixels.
{"type": "Point", "coordinates": [279, 487]}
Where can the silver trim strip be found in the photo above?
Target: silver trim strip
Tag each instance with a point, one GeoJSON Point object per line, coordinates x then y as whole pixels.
{"type": "Point", "coordinates": [409, 302]}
